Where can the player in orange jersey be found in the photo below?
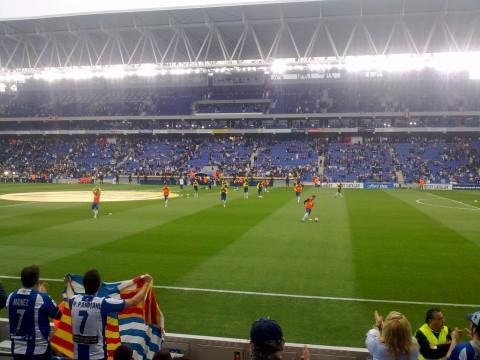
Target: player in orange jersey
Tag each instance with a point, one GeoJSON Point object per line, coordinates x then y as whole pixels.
{"type": "Point", "coordinates": [421, 184]}
{"type": "Point", "coordinates": [308, 204]}
{"type": "Point", "coordinates": [96, 200]}
{"type": "Point", "coordinates": [298, 191]}
{"type": "Point", "coordinates": [265, 184]}
{"type": "Point", "coordinates": [166, 194]}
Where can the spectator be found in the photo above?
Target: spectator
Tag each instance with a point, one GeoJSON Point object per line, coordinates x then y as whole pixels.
{"type": "Point", "coordinates": [3, 297]}
{"type": "Point", "coordinates": [162, 355]}
{"type": "Point", "coordinates": [433, 337]}
{"type": "Point", "coordinates": [267, 342]}
{"type": "Point", "coordinates": [123, 352]}
{"type": "Point", "coordinates": [89, 315]}
{"type": "Point", "coordinates": [28, 313]}
{"type": "Point", "coordinates": [391, 339]}
{"type": "Point", "coordinates": [468, 350]}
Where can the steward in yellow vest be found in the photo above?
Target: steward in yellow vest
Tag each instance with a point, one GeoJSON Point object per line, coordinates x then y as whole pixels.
{"type": "Point", "coordinates": [433, 336]}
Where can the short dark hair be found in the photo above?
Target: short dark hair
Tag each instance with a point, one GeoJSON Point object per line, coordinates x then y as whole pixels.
{"type": "Point", "coordinates": [30, 276]}
{"type": "Point", "coordinates": [123, 352]}
{"type": "Point", "coordinates": [430, 315]}
{"type": "Point", "coordinates": [91, 281]}
{"type": "Point", "coordinates": [162, 355]}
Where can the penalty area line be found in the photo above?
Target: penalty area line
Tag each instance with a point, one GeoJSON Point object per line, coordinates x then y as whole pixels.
{"type": "Point", "coordinates": [289, 296]}
{"type": "Point", "coordinates": [465, 205]}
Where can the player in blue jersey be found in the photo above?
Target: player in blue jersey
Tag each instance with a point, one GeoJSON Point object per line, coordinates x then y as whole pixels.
{"type": "Point", "coordinates": [29, 311]}
{"type": "Point", "coordinates": [89, 315]}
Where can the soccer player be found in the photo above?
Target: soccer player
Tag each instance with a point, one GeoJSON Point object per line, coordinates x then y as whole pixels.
{"type": "Point", "coordinates": [421, 184]}
{"type": "Point", "coordinates": [195, 188]}
{"type": "Point", "coordinates": [89, 315]}
{"type": "Point", "coordinates": [245, 189]}
{"type": "Point", "coordinates": [308, 204]}
{"type": "Point", "coordinates": [259, 189]}
{"type": "Point", "coordinates": [96, 200]}
{"type": "Point", "coordinates": [339, 190]}
{"type": "Point", "coordinates": [166, 194]}
{"type": "Point", "coordinates": [235, 183]}
{"type": "Point", "coordinates": [298, 191]}
{"type": "Point", "coordinates": [265, 185]}
{"type": "Point", "coordinates": [29, 311]}
{"type": "Point", "coordinates": [223, 194]}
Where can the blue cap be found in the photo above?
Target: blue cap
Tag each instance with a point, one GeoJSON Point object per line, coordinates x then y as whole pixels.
{"type": "Point", "coordinates": [264, 330]}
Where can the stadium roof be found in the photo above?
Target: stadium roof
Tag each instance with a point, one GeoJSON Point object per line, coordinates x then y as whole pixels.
{"type": "Point", "coordinates": [262, 32]}
{"type": "Point", "coordinates": [32, 9]}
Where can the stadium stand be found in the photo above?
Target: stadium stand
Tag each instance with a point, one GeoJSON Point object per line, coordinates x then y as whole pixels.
{"type": "Point", "coordinates": [278, 97]}
{"type": "Point", "coordinates": [375, 159]}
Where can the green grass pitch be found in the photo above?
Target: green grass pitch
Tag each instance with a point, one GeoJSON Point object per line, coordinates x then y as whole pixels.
{"type": "Point", "coordinates": [396, 245]}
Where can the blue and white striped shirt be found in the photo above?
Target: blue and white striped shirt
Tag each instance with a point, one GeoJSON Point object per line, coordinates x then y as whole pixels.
{"type": "Point", "coordinates": [89, 318]}
{"type": "Point", "coordinates": [28, 314]}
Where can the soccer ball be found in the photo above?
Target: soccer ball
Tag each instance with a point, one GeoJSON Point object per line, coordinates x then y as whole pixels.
{"type": "Point", "coordinates": [316, 219]}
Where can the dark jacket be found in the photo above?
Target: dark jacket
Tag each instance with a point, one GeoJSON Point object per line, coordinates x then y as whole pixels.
{"type": "Point", "coordinates": [3, 297]}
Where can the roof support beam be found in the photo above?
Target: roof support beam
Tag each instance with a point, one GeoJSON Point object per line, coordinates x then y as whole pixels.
{"type": "Point", "coordinates": [9, 61]}
{"type": "Point", "coordinates": [409, 37]}
{"type": "Point", "coordinates": [290, 34]}
{"type": "Point", "coordinates": [223, 47]}
{"type": "Point", "coordinates": [257, 42]}
{"type": "Point", "coordinates": [99, 57]}
{"type": "Point", "coordinates": [350, 40]}
{"type": "Point", "coordinates": [276, 41]}
{"type": "Point", "coordinates": [35, 65]}
{"type": "Point", "coordinates": [430, 35]}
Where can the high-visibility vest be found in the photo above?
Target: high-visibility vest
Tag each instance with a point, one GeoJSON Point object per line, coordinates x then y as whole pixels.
{"type": "Point", "coordinates": [432, 339]}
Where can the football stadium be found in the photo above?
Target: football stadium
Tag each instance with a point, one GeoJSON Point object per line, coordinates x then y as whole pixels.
{"type": "Point", "coordinates": [240, 179]}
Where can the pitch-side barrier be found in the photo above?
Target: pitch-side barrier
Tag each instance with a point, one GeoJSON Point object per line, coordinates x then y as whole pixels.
{"type": "Point", "coordinates": [196, 347]}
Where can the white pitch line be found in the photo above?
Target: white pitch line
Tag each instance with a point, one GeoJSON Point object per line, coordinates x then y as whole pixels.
{"type": "Point", "coordinates": [457, 201]}
{"type": "Point", "coordinates": [25, 203]}
{"type": "Point", "coordinates": [290, 296]}
{"type": "Point", "coordinates": [421, 202]}
{"type": "Point", "coordinates": [466, 206]}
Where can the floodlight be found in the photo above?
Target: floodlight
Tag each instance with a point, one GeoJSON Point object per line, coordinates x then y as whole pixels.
{"type": "Point", "coordinates": [147, 70]}
{"type": "Point", "coordinates": [79, 74]}
{"type": "Point", "coordinates": [279, 66]}
{"type": "Point", "coordinates": [116, 72]}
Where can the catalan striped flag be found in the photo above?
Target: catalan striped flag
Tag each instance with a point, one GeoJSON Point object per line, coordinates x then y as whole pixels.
{"type": "Point", "coordinates": [141, 327]}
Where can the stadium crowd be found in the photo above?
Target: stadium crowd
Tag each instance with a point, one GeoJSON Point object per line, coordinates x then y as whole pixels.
{"type": "Point", "coordinates": [373, 159]}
